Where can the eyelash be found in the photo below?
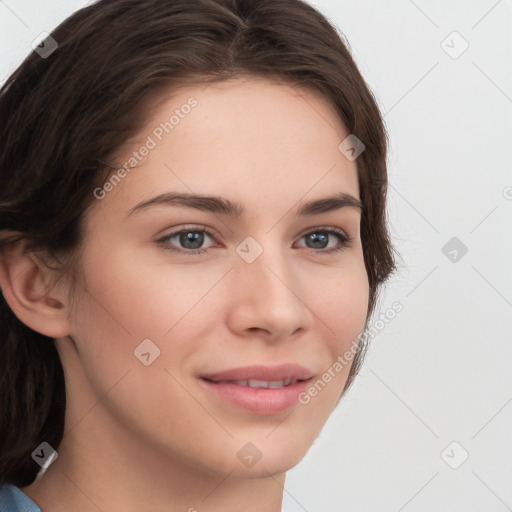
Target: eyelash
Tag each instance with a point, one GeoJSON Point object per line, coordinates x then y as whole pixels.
{"type": "Point", "coordinates": [344, 240]}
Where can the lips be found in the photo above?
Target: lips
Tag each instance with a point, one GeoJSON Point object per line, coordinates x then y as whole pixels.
{"type": "Point", "coordinates": [259, 389]}
{"type": "Point", "coordinates": [281, 372]}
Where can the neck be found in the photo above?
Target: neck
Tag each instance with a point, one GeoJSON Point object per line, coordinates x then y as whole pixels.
{"type": "Point", "coordinates": [113, 474]}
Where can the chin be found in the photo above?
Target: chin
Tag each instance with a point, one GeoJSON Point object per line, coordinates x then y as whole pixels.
{"type": "Point", "coordinates": [263, 459]}
{"type": "Point", "coordinates": [265, 469]}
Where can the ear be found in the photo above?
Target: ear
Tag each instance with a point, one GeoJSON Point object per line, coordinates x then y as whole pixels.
{"type": "Point", "coordinates": [24, 282]}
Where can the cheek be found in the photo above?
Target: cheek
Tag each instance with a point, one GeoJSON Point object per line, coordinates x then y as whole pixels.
{"type": "Point", "coordinates": [345, 305]}
{"type": "Point", "coordinates": [124, 304]}
{"type": "Point", "coordinates": [128, 302]}
{"type": "Point", "coordinates": [145, 300]}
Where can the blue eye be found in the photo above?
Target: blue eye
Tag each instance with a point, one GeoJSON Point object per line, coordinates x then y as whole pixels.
{"type": "Point", "coordinates": [192, 239]}
{"type": "Point", "coordinates": [320, 237]}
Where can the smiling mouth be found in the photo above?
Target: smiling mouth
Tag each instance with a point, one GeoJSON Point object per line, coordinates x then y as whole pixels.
{"type": "Point", "coordinates": [256, 384]}
{"type": "Point", "coordinates": [259, 397]}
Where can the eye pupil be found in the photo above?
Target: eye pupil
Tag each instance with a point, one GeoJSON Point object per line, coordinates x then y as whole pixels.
{"type": "Point", "coordinates": [315, 237]}
{"type": "Point", "coordinates": [196, 237]}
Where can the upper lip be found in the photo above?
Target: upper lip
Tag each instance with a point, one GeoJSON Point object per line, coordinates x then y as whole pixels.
{"type": "Point", "coordinates": [261, 372]}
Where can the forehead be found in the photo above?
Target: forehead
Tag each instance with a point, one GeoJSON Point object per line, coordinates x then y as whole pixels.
{"type": "Point", "coordinates": [251, 137]}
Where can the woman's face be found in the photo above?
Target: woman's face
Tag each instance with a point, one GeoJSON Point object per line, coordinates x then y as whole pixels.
{"type": "Point", "coordinates": [271, 287]}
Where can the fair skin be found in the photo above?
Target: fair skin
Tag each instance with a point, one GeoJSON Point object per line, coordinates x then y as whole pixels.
{"type": "Point", "coordinates": [144, 438]}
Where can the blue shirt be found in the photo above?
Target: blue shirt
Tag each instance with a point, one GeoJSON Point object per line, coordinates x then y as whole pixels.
{"type": "Point", "coordinates": [13, 499]}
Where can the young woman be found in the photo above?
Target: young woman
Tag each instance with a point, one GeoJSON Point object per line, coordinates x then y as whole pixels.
{"type": "Point", "coordinates": [193, 237]}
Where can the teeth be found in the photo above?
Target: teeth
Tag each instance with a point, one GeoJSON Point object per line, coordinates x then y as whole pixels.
{"type": "Point", "coordinates": [272, 384]}
{"type": "Point", "coordinates": [263, 383]}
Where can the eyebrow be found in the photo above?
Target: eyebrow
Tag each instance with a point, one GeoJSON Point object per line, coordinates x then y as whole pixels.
{"type": "Point", "coordinates": [223, 206]}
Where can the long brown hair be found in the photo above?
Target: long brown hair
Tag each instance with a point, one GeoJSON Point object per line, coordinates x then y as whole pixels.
{"type": "Point", "coordinates": [64, 114]}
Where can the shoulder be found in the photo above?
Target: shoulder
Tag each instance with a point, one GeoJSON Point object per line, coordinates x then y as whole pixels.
{"type": "Point", "coordinates": [13, 499]}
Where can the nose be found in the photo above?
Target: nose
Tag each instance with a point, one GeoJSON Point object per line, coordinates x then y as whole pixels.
{"type": "Point", "coordinates": [268, 298]}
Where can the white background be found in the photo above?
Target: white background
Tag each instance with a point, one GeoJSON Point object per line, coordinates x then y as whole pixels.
{"type": "Point", "coordinates": [440, 371]}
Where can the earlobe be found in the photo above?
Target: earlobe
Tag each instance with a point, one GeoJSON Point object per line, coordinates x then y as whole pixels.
{"type": "Point", "coordinates": [24, 283]}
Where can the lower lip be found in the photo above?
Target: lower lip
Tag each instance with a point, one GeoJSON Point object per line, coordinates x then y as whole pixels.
{"type": "Point", "coordinates": [259, 400]}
